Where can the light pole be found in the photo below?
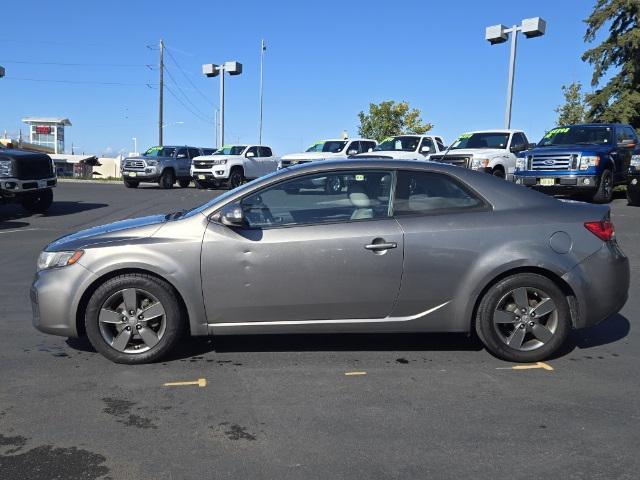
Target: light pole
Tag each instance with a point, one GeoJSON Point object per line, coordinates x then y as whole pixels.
{"type": "Point", "coordinates": [263, 48]}
{"type": "Point", "coordinates": [531, 28]}
{"type": "Point", "coordinates": [213, 70]}
{"type": "Point", "coordinates": [135, 145]}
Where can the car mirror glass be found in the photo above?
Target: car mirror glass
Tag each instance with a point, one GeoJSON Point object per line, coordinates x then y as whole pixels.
{"type": "Point", "coordinates": [232, 215]}
{"type": "Point", "coordinates": [352, 152]}
{"type": "Point", "coordinates": [250, 154]}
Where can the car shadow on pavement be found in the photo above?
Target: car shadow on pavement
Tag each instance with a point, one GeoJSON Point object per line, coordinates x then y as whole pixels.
{"type": "Point", "coordinates": [608, 331]}
{"type": "Point", "coordinates": [58, 208]}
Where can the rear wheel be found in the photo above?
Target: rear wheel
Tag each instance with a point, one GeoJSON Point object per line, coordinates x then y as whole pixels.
{"type": "Point", "coordinates": [133, 318]}
{"type": "Point", "coordinates": [199, 185]}
{"type": "Point", "coordinates": [37, 202]}
{"type": "Point", "coordinates": [131, 184]}
{"type": "Point", "coordinates": [523, 318]}
{"type": "Point", "coordinates": [184, 182]}
{"type": "Point", "coordinates": [604, 194]}
{"type": "Point", "coordinates": [498, 172]}
{"type": "Point", "coordinates": [236, 177]}
{"type": "Point", "coordinates": [167, 179]}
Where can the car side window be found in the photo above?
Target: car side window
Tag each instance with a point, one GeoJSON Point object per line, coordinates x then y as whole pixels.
{"type": "Point", "coordinates": [181, 153]}
{"type": "Point", "coordinates": [320, 198]}
{"type": "Point", "coordinates": [266, 152]}
{"type": "Point", "coordinates": [517, 141]}
{"type": "Point", "coordinates": [429, 192]}
{"type": "Point", "coordinates": [441, 146]}
{"type": "Point", "coordinates": [253, 150]}
{"type": "Point", "coordinates": [629, 133]}
{"type": "Point", "coordinates": [353, 146]}
{"type": "Point", "coordinates": [194, 152]}
{"type": "Point", "coordinates": [367, 146]}
{"type": "Point", "coordinates": [427, 143]}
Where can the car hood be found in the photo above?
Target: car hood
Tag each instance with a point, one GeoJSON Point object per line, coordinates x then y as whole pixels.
{"type": "Point", "coordinates": [123, 230]}
{"type": "Point", "coordinates": [312, 156]}
{"type": "Point", "coordinates": [480, 152]}
{"type": "Point", "coordinates": [393, 154]}
{"type": "Point", "coordinates": [563, 149]}
{"type": "Point", "coordinates": [217, 157]}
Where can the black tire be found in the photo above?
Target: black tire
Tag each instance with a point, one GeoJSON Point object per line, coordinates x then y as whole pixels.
{"type": "Point", "coordinates": [498, 172]}
{"type": "Point", "coordinates": [37, 202]}
{"type": "Point", "coordinates": [633, 197]}
{"type": "Point", "coordinates": [495, 336]}
{"type": "Point", "coordinates": [236, 178]}
{"type": "Point", "coordinates": [604, 193]}
{"type": "Point", "coordinates": [333, 185]}
{"type": "Point", "coordinates": [167, 179]}
{"type": "Point", "coordinates": [131, 184]}
{"type": "Point", "coordinates": [174, 324]}
{"type": "Point", "coordinates": [184, 182]}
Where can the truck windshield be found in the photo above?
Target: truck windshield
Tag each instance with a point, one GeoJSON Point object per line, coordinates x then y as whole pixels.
{"type": "Point", "coordinates": [332, 146]}
{"type": "Point", "coordinates": [481, 140]}
{"type": "Point", "coordinates": [235, 150]}
{"type": "Point", "coordinates": [404, 143]}
{"type": "Point", "coordinates": [577, 135]}
{"type": "Point", "coordinates": [159, 152]}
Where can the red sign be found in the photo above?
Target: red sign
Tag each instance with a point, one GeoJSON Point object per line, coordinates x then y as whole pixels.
{"type": "Point", "coordinates": [43, 129]}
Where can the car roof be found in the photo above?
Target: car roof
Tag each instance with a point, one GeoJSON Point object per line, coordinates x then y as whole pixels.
{"type": "Point", "coordinates": [595, 124]}
{"type": "Point", "coordinates": [497, 130]}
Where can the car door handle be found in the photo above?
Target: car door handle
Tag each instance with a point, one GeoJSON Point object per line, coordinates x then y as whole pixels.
{"type": "Point", "coordinates": [381, 246]}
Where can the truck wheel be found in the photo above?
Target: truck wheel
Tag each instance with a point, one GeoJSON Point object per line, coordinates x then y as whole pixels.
{"type": "Point", "coordinates": [184, 182]}
{"type": "Point", "coordinates": [134, 318]}
{"type": "Point", "coordinates": [236, 177]}
{"type": "Point", "coordinates": [37, 202]}
{"type": "Point", "coordinates": [199, 185]}
{"type": "Point", "coordinates": [633, 197]}
{"type": "Point", "coordinates": [498, 172]}
{"type": "Point", "coordinates": [131, 184]}
{"type": "Point", "coordinates": [167, 179]}
{"type": "Point", "coordinates": [333, 185]}
{"type": "Point", "coordinates": [523, 318]}
{"type": "Point", "coordinates": [604, 194]}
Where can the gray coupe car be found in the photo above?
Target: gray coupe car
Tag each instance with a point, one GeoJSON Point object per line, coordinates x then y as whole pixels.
{"type": "Point", "coordinates": [405, 246]}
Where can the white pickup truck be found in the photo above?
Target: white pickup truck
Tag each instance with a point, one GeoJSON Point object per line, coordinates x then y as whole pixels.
{"type": "Point", "coordinates": [232, 164]}
{"type": "Point", "coordinates": [332, 149]}
{"type": "Point", "coordinates": [407, 147]}
{"type": "Point", "coordinates": [491, 151]}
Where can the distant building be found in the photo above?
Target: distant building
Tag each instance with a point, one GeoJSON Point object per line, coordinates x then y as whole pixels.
{"type": "Point", "coordinates": [47, 132]}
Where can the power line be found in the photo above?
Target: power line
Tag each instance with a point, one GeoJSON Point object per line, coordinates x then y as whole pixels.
{"type": "Point", "coordinates": [195, 107]}
{"type": "Point", "coordinates": [195, 114]}
{"type": "Point", "coordinates": [81, 82]}
{"type": "Point", "coordinates": [187, 77]}
{"type": "Point", "coordinates": [64, 64]}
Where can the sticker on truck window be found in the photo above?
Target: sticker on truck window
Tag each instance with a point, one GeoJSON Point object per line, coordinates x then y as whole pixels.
{"type": "Point", "coordinates": [359, 178]}
{"type": "Point", "coordinates": [152, 150]}
{"type": "Point", "coordinates": [465, 135]}
{"type": "Point", "coordinates": [556, 131]}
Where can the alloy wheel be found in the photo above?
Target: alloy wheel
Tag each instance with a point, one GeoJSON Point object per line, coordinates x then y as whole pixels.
{"type": "Point", "coordinates": [525, 318]}
{"type": "Point", "coordinates": [132, 321]}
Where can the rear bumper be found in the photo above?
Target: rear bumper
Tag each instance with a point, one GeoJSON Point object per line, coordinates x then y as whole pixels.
{"type": "Point", "coordinates": [601, 284]}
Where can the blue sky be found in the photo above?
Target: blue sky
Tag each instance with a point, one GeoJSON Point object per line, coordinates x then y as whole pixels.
{"type": "Point", "coordinates": [325, 62]}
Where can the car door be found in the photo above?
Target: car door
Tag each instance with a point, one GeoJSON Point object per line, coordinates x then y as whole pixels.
{"type": "Point", "coordinates": [193, 153]}
{"type": "Point", "coordinates": [252, 166]}
{"type": "Point", "coordinates": [268, 163]}
{"type": "Point", "coordinates": [438, 215]}
{"type": "Point", "coordinates": [353, 148]}
{"type": "Point", "coordinates": [183, 162]}
{"type": "Point", "coordinates": [518, 144]}
{"type": "Point", "coordinates": [306, 255]}
{"type": "Point", "coordinates": [625, 143]}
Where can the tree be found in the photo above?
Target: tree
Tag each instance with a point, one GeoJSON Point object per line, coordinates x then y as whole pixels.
{"type": "Point", "coordinates": [574, 108]}
{"type": "Point", "coordinates": [619, 99]}
{"type": "Point", "coordinates": [390, 118]}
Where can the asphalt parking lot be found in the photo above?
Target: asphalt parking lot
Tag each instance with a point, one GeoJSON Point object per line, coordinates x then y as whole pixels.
{"type": "Point", "coordinates": [329, 406]}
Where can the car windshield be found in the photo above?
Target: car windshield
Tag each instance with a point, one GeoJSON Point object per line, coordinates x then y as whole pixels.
{"type": "Point", "coordinates": [481, 140]}
{"type": "Point", "coordinates": [331, 146]}
{"type": "Point", "coordinates": [159, 152]}
{"type": "Point", "coordinates": [231, 150]}
{"type": "Point", "coordinates": [580, 134]}
{"type": "Point", "coordinates": [404, 143]}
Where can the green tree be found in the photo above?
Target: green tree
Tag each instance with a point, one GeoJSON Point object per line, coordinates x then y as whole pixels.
{"type": "Point", "coordinates": [389, 118]}
{"type": "Point", "coordinates": [619, 99]}
{"type": "Point", "coordinates": [574, 109]}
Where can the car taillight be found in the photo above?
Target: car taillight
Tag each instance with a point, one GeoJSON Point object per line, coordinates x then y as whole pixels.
{"type": "Point", "coordinates": [603, 229]}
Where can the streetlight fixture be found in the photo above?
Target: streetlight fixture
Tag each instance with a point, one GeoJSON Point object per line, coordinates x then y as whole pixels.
{"type": "Point", "coordinates": [213, 70]}
{"type": "Point", "coordinates": [135, 145]}
{"type": "Point", "coordinates": [173, 123]}
{"type": "Point", "coordinates": [495, 34]}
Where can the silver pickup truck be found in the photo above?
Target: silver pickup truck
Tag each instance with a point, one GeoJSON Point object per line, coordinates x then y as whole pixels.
{"type": "Point", "coordinates": [164, 165]}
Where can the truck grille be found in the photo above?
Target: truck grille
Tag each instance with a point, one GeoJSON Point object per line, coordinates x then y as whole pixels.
{"type": "Point", "coordinates": [134, 164]}
{"type": "Point", "coordinates": [553, 161]}
{"type": "Point", "coordinates": [457, 160]}
{"type": "Point", "coordinates": [203, 164]}
{"type": "Point", "coordinates": [36, 167]}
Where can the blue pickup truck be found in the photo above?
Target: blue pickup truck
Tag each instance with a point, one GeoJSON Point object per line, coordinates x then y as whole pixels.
{"type": "Point", "coordinates": [587, 159]}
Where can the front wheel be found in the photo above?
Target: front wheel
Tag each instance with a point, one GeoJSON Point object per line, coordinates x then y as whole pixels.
{"type": "Point", "coordinates": [498, 172]}
{"type": "Point", "coordinates": [131, 184]}
{"type": "Point", "coordinates": [167, 179]}
{"type": "Point", "coordinates": [37, 202]}
{"type": "Point", "coordinates": [133, 318]}
{"type": "Point", "coordinates": [523, 318]}
{"type": "Point", "coordinates": [604, 194]}
{"type": "Point", "coordinates": [184, 182]}
{"type": "Point", "coordinates": [236, 178]}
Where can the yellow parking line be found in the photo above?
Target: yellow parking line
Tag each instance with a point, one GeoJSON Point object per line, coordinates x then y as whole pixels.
{"type": "Point", "coordinates": [201, 382]}
{"type": "Point", "coordinates": [530, 366]}
{"type": "Point", "coordinates": [351, 374]}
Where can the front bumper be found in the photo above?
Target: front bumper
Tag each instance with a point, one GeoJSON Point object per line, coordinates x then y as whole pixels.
{"type": "Point", "coordinates": [148, 174]}
{"type": "Point", "coordinates": [55, 296]}
{"type": "Point", "coordinates": [554, 183]}
{"type": "Point", "coordinates": [601, 284]}
{"type": "Point", "coordinates": [217, 172]}
{"type": "Point", "coordinates": [14, 187]}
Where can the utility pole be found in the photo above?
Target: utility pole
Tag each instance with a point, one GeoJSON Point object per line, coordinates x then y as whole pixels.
{"type": "Point", "coordinates": [160, 112]}
{"type": "Point", "coordinates": [263, 47]}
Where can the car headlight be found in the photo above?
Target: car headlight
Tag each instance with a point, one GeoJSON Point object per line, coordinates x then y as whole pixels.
{"type": "Point", "coordinates": [220, 162]}
{"type": "Point", "coordinates": [635, 161]}
{"type": "Point", "coordinates": [152, 163]}
{"type": "Point", "coordinates": [588, 161]}
{"type": "Point", "coordinates": [478, 163]}
{"type": "Point", "coordinates": [48, 260]}
{"type": "Point", "coordinates": [5, 168]}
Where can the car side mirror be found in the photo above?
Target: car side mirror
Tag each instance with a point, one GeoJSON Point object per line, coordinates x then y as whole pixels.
{"type": "Point", "coordinates": [181, 155]}
{"type": "Point", "coordinates": [250, 154]}
{"type": "Point", "coordinates": [531, 145]}
{"type": "Point", "coordinates": [518, 148]}
{"type": "Point", "coordinates": [352, 152]}
{"type": "Point", "coordinates": [425, 149]}
{"type": "Point", "coordinates": [627, 143]}
{"type": "Point", "coordinates": [231, 215]}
